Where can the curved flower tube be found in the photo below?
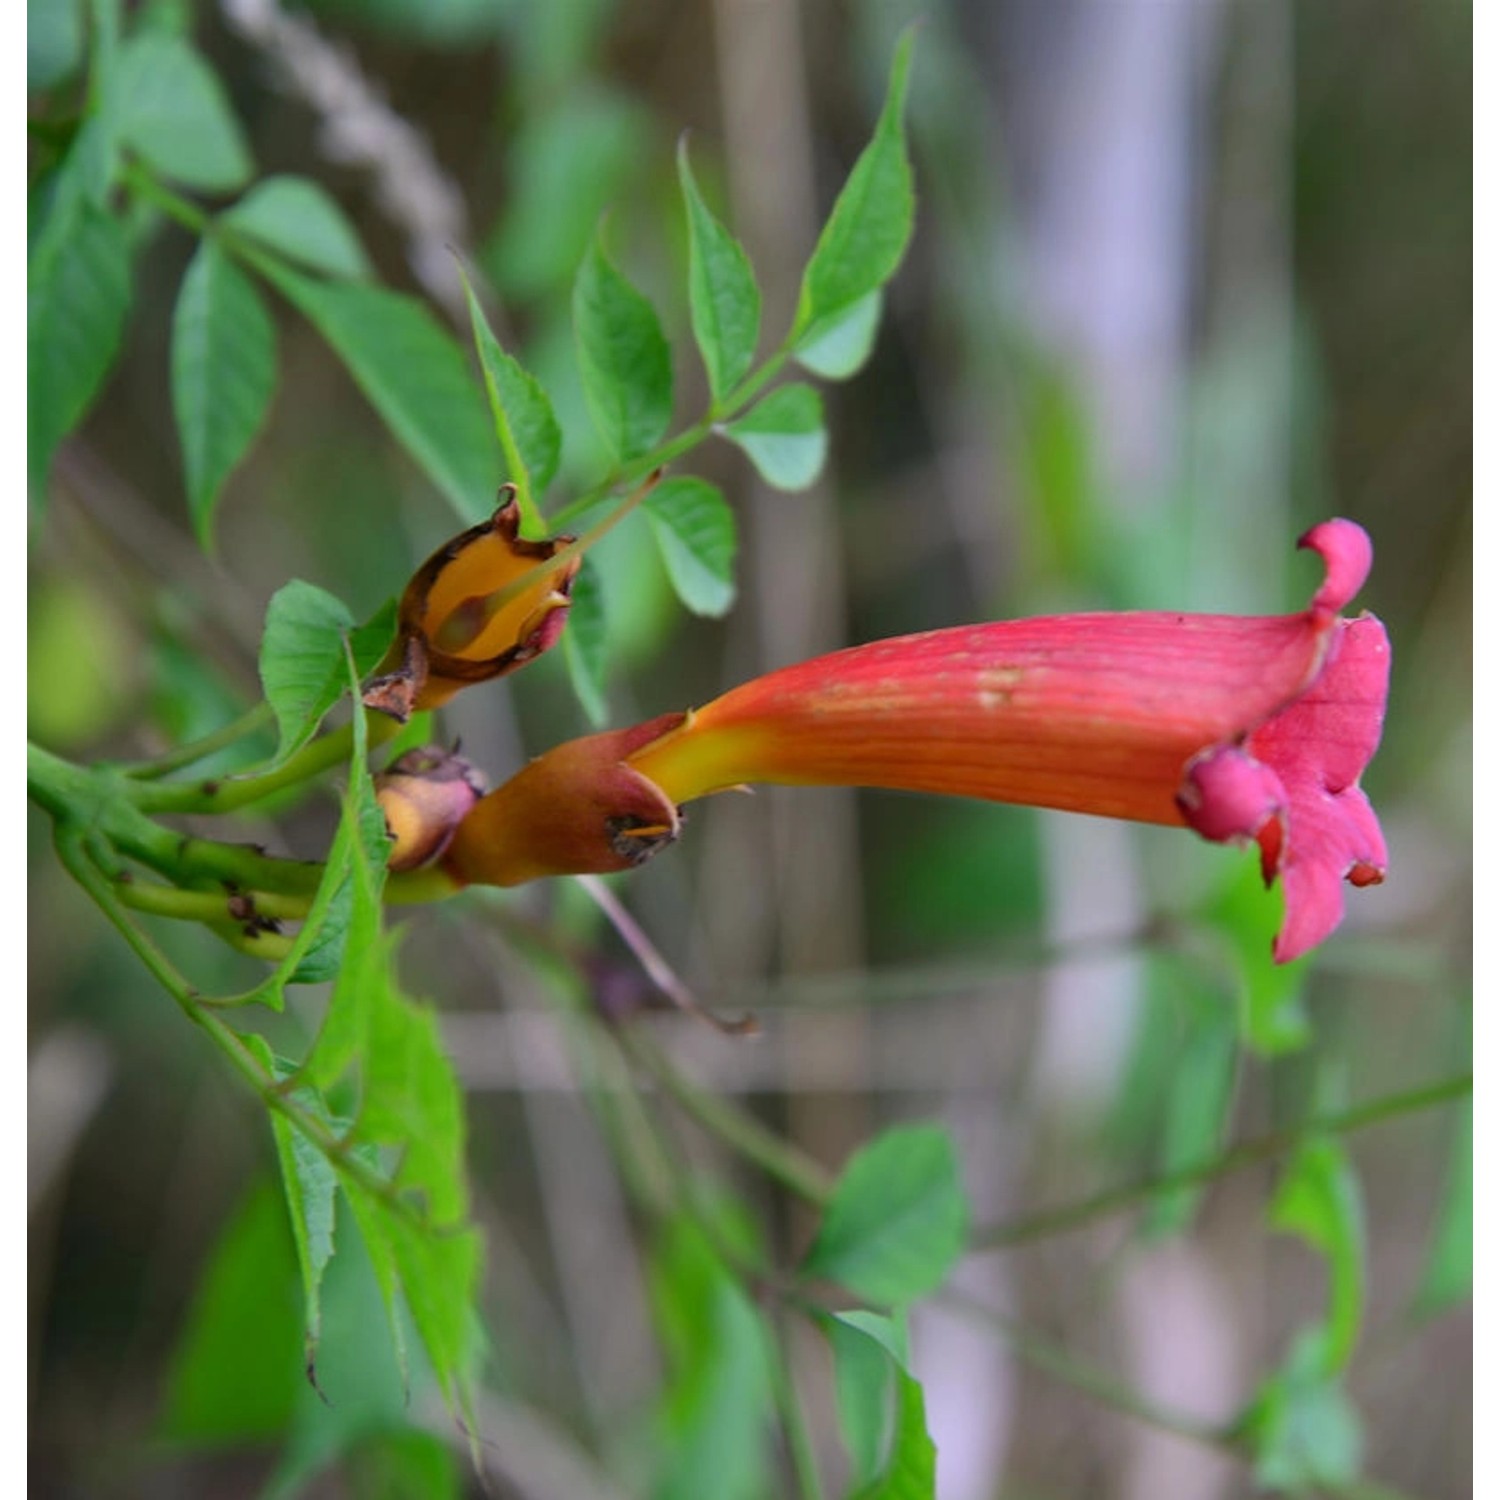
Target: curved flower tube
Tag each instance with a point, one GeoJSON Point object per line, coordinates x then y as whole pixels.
{"type": "Point", "coordinates": [471, 613]}
{"type": "Point", "coordinates": [1241, 728]}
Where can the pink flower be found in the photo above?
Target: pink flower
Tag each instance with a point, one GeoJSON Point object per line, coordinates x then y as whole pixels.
{"type": "Point", "coordinates": [1242, 728]}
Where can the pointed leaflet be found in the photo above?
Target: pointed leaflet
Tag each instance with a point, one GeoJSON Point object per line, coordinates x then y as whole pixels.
{"type": "Point", "coordinates": [300, 220]}
{"type": "Point", "coordinates": [722, 294]}
{"type": "Point", "coordinates": [784, 436]}
{"type": "Point", "coordinates": [836, 346]}
{"type": "Point", "coordinates": [1302, 1428]}
{"type": "Point", "coordinates": [170, 107]}
{"type": "Point", "coordinates": [415, 376]}
{"type": "Point", "coordinates": [77, 296]}
{"type": "Point", "coordinates": [586, 644]}
{"type": "Point", "coordinates": [223, 374]}
{"type": "Point", "coordinates": [528, 432]}
{"type": "Point", "coordinates": [694, 527]}
{"type": "Point", "coordinates": [895, 1225]}
{"type": "Point", "coordinates": [624, 360]}
{"type": "Point", "coordinates": [866, 234]}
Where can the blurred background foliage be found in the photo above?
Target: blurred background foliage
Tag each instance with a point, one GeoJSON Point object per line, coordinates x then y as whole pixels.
{"type": "Point", "coordinates": [1188, 276]}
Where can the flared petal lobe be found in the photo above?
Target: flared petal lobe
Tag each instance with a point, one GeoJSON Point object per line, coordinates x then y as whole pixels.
{"type": "Point", "coordinates": [1241, 728]}
{"type": "Point", "coordinates": [482, 605]}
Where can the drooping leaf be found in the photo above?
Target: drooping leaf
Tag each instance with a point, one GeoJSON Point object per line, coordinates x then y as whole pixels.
{"type": "Point", "coordinates": [528, 432]}
{"type": "Point", "coordinates": [911, 1472]}
{"type": "Point", "coordinates": [622, 356]}
{"type": "Point", "coordinates": [586, 644]}
{"type": "Point", "coordinates": [722, 295]}
{"type": "Point", "coordinates": [866, 234]}
{"type": "Point", "coordinates": [236, 1370]}
{"type": "Point", "coordinates": [54, 42]}
{"type": "Point", "coordinates": [223, 374]}
{"type": "Point", "coordinates": [694, 527]}
{"type": "Point", "coordinates": [784, 436]}
{"type": "Point", "coordinates": [1318, 1198]}
{"type": "Point", "coordinates": [170, 107]}
{"type": "Point", "coordinates": [864, 1379]}
{"type": "Point", "coordinates": [836, 346]}
{"type": "Point", "coordinates": [300, 219]}
{"type": "Point", "coordinates": [1302, 1427]}
{"type": "Point", "coordinates": [895, 1225]}
{"type": "Point", "coordinates": [77, 298]}
{"type": "Point", "coordinates": [414, 375]}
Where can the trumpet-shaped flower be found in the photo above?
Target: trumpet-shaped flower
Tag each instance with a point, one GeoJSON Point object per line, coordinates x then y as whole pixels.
{"type": "Point", "coordinates": [479, 607]}
{"type": "Point", "coordinates": [1241, 728]}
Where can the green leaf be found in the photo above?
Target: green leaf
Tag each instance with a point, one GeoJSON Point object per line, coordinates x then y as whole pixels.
{"type": "Point", "coordinates": [237, 1367]}
{"type": "Point", "coordinates": [414, 375]}
{"type": "Point", "coordinates": [722, 294]}
{"type": "Point", "coordinates": [784, 436]}
{"type": "Point", "coordinates": [170, 107]}
{"type": "Point", "coordinates": [1303, 1429]}
{"type": "Point", "coordinates": [1200, 1093]}
{"type": "Point", "coordinates": [299, 219]}
{"type": "Point", "coordinates": [836, 346]}
{"type": "Point", "coordinates": [895, 1225]}
{"type": "Point", "coordinates": [586, 644]}
{"type": "Point", "coordinates": [77, 298]}
{"type": "Point", "coordinates": [301, 659]}
{"type": "Point", "coordinates": [223, 375]}
{"type": "Point", "coordinates": [911, 1473]}
{"type": "Point", "coordinates": [1273, 1019]}
{"type": "Point", "coordinates": [1318, 1198]}
{"type": "Point", "coordinates": [623, 358]}
{"type": "Point", "coordinates": [54, 42]}
{"type": "Point", "coordinates": [864, 1374]}
{"type": "Point", "coordinates": [1449, 1277]}
{"type": "Point", "coordinates": [694, 527]}
{"type": "Point", "coordinates": [866, 235]}
{"type": "Point", "coordinates": [528, 432]}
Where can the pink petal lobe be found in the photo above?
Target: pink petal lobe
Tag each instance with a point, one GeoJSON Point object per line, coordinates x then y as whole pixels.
{"type": "Point", "coordinates": [1227, 796]}
{"type": "Point", "coordinates": [1347, 555]}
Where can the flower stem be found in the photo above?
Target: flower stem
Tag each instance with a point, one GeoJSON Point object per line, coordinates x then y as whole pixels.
{"type": "Point", "coordinates": [1247, 1153]}
{"type": "Point", "coordinates": [793, 1419]}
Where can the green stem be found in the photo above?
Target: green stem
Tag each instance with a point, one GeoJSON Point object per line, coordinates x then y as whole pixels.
{"type": "Point", "coordinates": [196, 750]}
{"type": "Point", "coordinates": [233, 792]}
{"type": "Point", "coordinates": [1247, 1153]}
{"type": "Point", "coordinates": [184, 210]}
{"type": "Point", "coordinates": [208, 906]}
{"type": "Point", "coordinates": [793, 1419]}
{"type": "Point", "coordinates": [779, 1160]}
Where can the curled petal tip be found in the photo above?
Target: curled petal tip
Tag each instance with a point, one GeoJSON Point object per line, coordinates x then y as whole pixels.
{"type": "Point", "coordinates": [1347, 555]}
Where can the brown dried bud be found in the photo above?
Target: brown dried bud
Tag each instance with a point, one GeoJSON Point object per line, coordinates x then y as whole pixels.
{"type": "Point", "coordinates": [425, 795]}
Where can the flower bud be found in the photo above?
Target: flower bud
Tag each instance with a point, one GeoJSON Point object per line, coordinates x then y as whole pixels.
{"type": "Point", "coordinates": [479, 607]}
{"type": "Point", "coordinates": [425, 795]}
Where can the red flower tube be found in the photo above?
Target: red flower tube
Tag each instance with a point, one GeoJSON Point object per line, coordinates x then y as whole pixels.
{"type": "Point", "coordinates": [1240, 728]}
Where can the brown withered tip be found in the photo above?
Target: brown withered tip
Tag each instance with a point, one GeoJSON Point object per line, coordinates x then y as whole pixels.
{"type": "Point", "coordinates": [577, 810]}
{"type": "Point", "coordinates": [454, 627]}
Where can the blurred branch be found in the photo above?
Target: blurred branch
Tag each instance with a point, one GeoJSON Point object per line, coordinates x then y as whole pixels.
{"type": "Point", "coordinates": [1247, 1153]}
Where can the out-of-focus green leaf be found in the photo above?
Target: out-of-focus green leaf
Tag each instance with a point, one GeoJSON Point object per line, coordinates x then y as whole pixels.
{"type": "Point", "coordinates": [80, 663]}
{"type": "Point", "coordinates": [911, 1473]}
{"type": "Point", "coordinates": [1272, 1017]}
{"type": "Point", "coordinates": [1449, 1277]}
{"type": "Point", "coordinates": [567, 164]}
{"type": "Point", "coordinates": [722, 295]}
{"type": "Point", "coordinates": [528, 432]}
{"type": "Point", "coordinates": [866, 235]}
{"type": "Point", "coordinates": [54, 42]}
{"type": "Point", "coordinates": [434, 23]}
{"type": "Point", "coordinates": [838, 345]}
{"type": "Point", "coordinates": [169, 106]}
{"type": "Point", "coordinates": [223, 375]}
{"type": "Point", "coordinates": [716, 1411]}
{"type": "Point", "coordinates": [895, 1225]}
{"type": "Point", "coordinates": [622, 356]}
{"type": "Point", "coordinates": [1200, 1092]}
{"type": "Point", "coordinates": [694, 527]}
{"type": "Point", "coordinates": [404, 1465]}
{"type": "Point", "coordinates": [864, 1374]}
{"type": "Point", "coordinates": [1303, 1429]}
{"type": "Point", "coordinates": [586, 644]}
{"type": "Point", "coordinates": [300, 219]}
{"type": "Point", "coordinates": [415, 376]}
{"type": "Point", "coordinates": [77, 298]}
{"type": "Point", "coordinates": [238, 1365]}
{"type": "Point", "coordinates": [784, 436]}
{"type": "Point", "coordinates": [1318, 1198]}
{"type": "Point", "coordinates": [302, 658]}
